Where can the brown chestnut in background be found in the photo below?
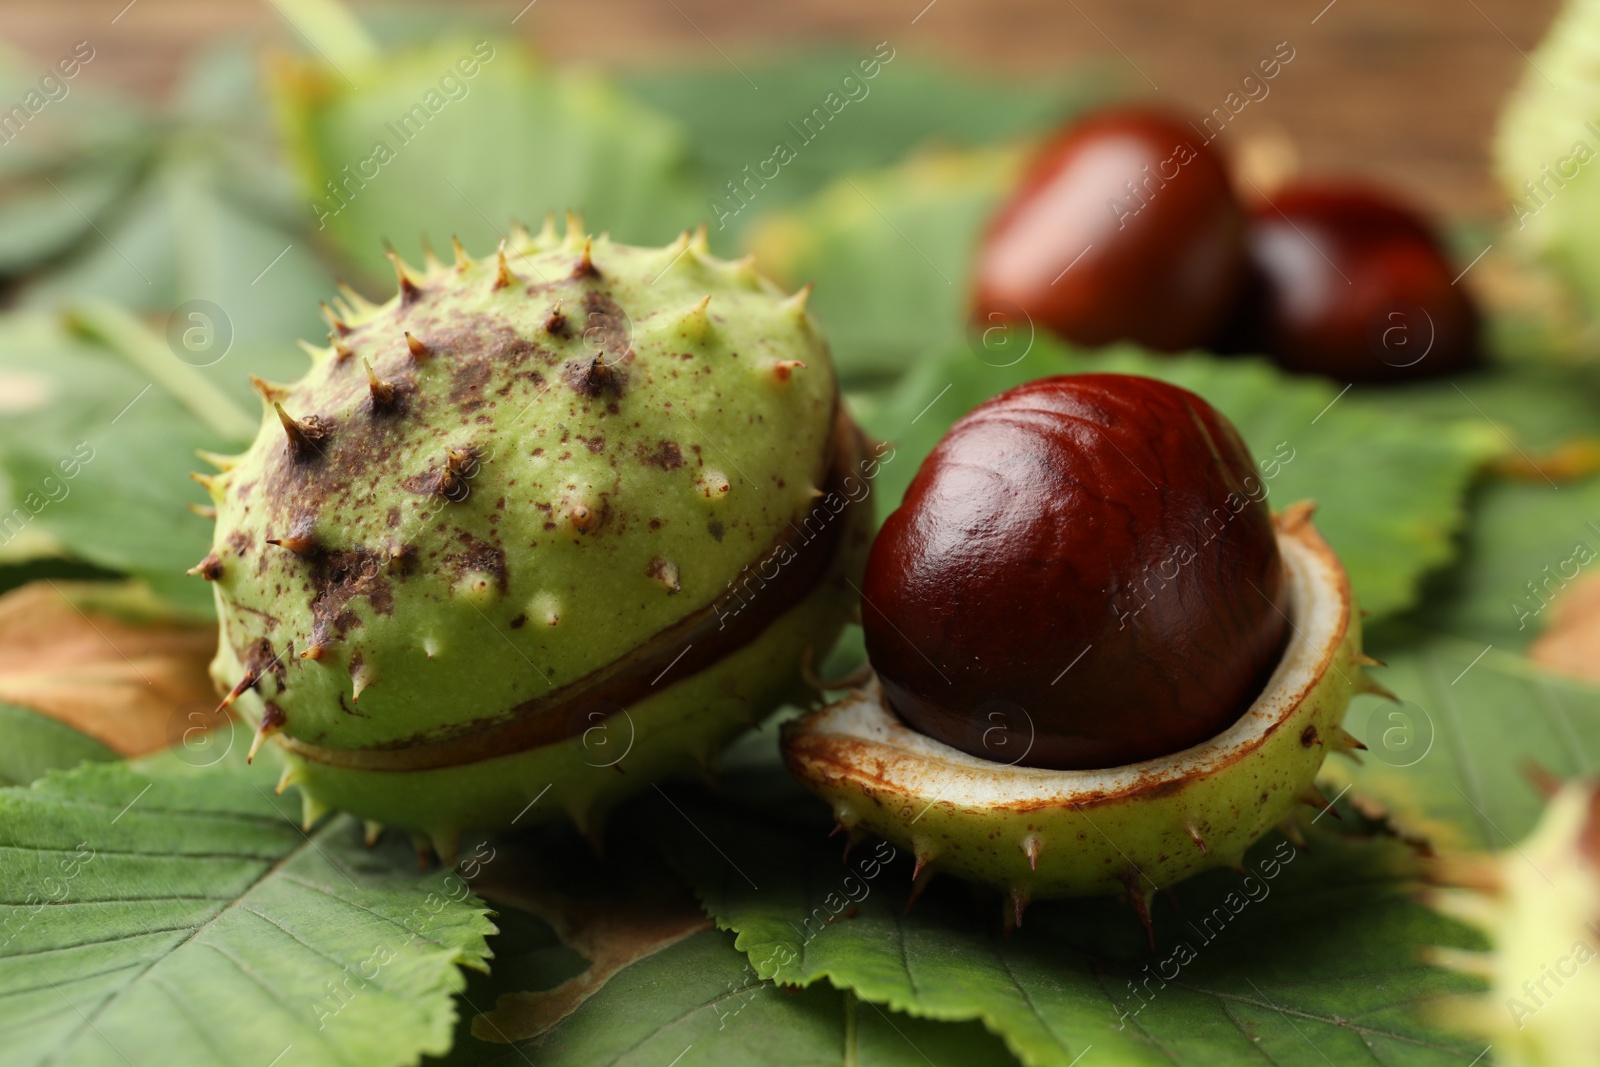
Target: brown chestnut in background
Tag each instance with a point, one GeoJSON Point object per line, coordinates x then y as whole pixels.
{"type": "Point", "coordinates": [1083, 574]}
{"type": "Point", "coordinates": [1350, 283]}
{"type": "Point", "coordinates": [1125, 227]}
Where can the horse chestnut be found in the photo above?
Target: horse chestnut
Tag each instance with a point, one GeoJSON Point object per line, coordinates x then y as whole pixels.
{"type": "Point", "coordinates": [1349, 283]}
{"type": "Point", "coordinates": [1125, 227]}
{"type": "Point", "coordinates": [1083, 574]}
{"type": "Point", "coordinates": [1083, 568]}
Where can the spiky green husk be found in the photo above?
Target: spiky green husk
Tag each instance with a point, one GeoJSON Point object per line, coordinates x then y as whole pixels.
{"type": "Point", "coordinates": [1043, 833]}
{"type": "Point", "coordinates": [506, 500]}
{"type": "Point", "coordinates": [675, 732]}
{"type": "Point", "coordinates": [1539, 905]}
{"type": "Point", "coordinates": [1547, 156]}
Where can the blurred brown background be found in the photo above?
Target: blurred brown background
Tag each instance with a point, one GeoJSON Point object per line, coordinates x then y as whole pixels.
{"type": "Point", "coordinates": [1401, 90]}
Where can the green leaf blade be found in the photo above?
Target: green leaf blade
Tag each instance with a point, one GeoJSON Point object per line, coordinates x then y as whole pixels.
{"type": "Point", "coordinates": [1451, 762]}
{"type": "Point", "coordinates": [35, 743]}
{"type": "Point", "coordinates": [178, 916]}
{"type": "Point", "coordinates": [94, 438]}
{"type": "Point", "coordinates": [1314, 955]}
{"type": "Point", "coordinates": [564, 141]}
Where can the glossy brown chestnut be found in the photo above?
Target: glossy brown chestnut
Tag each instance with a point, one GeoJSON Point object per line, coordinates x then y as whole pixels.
{"type": "Point", "coordinates": [1125, 227]}
{"type": "Point", "coordinates": [1349, 283]}
{"type": "Point", "coordinates": [1083, 574]}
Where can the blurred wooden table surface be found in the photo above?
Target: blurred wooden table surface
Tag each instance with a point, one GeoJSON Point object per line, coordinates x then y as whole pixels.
{"type": "Point", "coordinates": [1401, 90]}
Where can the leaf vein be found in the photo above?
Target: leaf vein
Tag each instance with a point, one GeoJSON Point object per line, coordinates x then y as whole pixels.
{"type": "Point", "coordinates": [101, 1008]}
{"type": "Point", "coordinates": [1250, 1039]}
{"type": "Point", "coordinates": [1099, 981]}
{"type": "Point", "coordinates": [325, 891]}
{"type": "Point", "coordinates": [1340, 1022]}
{"type": "Point", "coordinates": [277, 998]}
{"type": "Point", "coordinates": [94, 944]}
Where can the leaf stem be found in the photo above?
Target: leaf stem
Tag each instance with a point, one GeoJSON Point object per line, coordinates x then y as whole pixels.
{"type": "Point", "coordinates": [331, 30]}
{"type": "Point", "coordinates": [129, 338]}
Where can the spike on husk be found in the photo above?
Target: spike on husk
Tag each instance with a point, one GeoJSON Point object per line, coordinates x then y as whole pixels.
{"type": "Point", "coordinates": [925, 852]}
{"type": "Point", "coordinates": [406, 278]}
{"type": "Point", "coordinates": [744, 272]}
{"type": "Point", "coordinates": [382, 392]}
{"type": "Point", "coordinates": [270, 392]}
{"type": "Point", "coordinates": [556, 322]}
{"type": "Point", "coordinates": [503, 277]}
{"type": "Point", "coordinates": [272, 722]}
{"type": "Point", "coordinates": [399, 557]}
{"type": "Point", "coordinates": [361, 676]}
{"type": "Point", "coordinates": [919, 882]}
{"type": "Point", "coordinates": [784, 369]}
{"type": "Point", "coordinates": [1346, 743]}
{"type": "Point", "coordinates": [339, 327]}
{"type": "Point", "coordinates": [217, 460]}
{"type": "Point", "coordinates": [1139, 897]}
{"type": "Point", "coordinates": [1365, 684]}
{"type": "Point", "coordinates": [1313, 797]}
{"type": "Point", "coordinates": [795, 305]}
{"type": "Point", "coordinates": [213, 483]}
{"type": "Point", "coordinates": [671, 257]}
{"type": "Point", "coordinates": [209, 568]}
{"type": "Point", "coordinates": [1016, 903]}
{"type": "Point", "coordinates": [359, 304]}
{"type": "Point", "coordinates": [431, 263]}
{"type": "Point", "coordinates": [583, 517]}
{"type": "Point", "coordinates": [419, 351]}
{"type": "Point", "coordinates": [452, 480]}
{"type": "Point", "coordinates": [446, 845]}
{"type": "Point", "coordinates": [585, 267]}
{"type": "Point", "coordinates": [547, 237]}
{"type": "Point", "coordinates": [694, 323]}
{"type": "Point", "coordinates": [312, 810]}
{"type": "Point", "coordinates": [576, 235]}
{"type": "Point", "coordinates": [301, 544]}
{"type": "Point", "coordinates": [243, 685]}
{"type": "Point", "coordinates": [302, 435]}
